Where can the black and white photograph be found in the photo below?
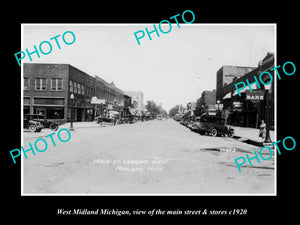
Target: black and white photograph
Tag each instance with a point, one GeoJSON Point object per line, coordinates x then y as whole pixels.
{"type": "Point", "coordinates": [160, 116]}
{"type": "Point", "coordinates": [150, 112]}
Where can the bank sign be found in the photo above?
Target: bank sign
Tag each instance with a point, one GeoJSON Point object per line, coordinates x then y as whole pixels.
{"type": "Point", "coordinates": [255, 96]}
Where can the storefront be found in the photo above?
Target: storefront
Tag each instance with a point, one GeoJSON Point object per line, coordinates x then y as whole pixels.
{"type": "Point", "coordinates": [246, 110]}
{"type": "Point", "coordinates": [50, 107]}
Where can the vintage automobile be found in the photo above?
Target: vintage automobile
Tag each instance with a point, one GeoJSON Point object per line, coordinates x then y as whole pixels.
{"type": "Point", "coordinates": [31, 125]}
{"type": "Point", "coordinates": [195, 123]}
{"type": "Point", "coordinates": [191, 121]}
{"type": "Point", "coordinates": [184, 121]}
{"type": "Point", "coordinates": [212, 125]}
{"type": "Point", "coordinates": [178, 117]}
{"type": "Point", "coordinates": [41, 118]}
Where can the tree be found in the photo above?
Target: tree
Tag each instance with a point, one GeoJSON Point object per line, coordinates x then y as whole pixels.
{"type": "Point", "coordinates": [154, 109]}
{"type": "Point", "coordinates": [174, 111]}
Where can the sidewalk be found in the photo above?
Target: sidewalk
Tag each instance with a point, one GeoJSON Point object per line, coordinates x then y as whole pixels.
{"type": "Point", "coordinates": [84, 124]}
{"type": "Point", "coordinates": [250, 135]}
{"type": "Point", "coordinates": [76, 125]}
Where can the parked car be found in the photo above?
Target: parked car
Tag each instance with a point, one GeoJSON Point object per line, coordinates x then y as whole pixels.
{"type": "Point", "coordinates": [178, 117]}
{"type": "Point", "coordinates": [195, 123]}
{"type": "Point", "coordinates": [184, 121]}
{"type": "Point", "coordinates": [191, 121]}
{"type": "Point", "coordinates": [31, 125]}
{"type": "Point", "coordinates": [42, 119]}
{"type": "Point", "coordinates": [212, 125]}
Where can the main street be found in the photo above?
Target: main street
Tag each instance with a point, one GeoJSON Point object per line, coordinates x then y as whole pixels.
{"type": "Point", "coordinates": [153, 157]}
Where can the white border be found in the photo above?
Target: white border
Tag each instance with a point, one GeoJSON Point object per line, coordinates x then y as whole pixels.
{"type": "Point", "coordinates": [152, 194]}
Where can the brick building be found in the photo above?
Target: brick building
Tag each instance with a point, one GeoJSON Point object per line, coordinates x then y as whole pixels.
{"type": "Point", "coordinates": [249, 108]}
{"type": "Point", "coordinates": [206, 103]}
{"type": "Point", "coordinates": [227, 74]}
{"type": "Point", "coordinates": [48, 87]}
{"type": "Point", "coordinates": [137, 101]}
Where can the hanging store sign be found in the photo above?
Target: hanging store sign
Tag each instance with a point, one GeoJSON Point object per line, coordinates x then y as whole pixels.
{"type": "Point", "coordinates": [94, 100]}
{"type": "Point", "coordinates": [237, 105]}
{"type": "Point", "coordinates": [255, 96]}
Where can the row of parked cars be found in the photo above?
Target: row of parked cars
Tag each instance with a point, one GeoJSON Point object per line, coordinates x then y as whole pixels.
{"type": "Point", "coordinates": [36, 122]}
{"type": "Point", "coordinates": [206, 124]}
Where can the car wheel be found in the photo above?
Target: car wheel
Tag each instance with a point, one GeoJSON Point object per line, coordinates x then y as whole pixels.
{"type": "Point", "coordinates": [53, 126]}
{"type": "Point", "coordinates": [230, 133]}
{"type": "Point", "coordinates": [214, 132]}
{"type": "Point", "coordinates": [32, 128]}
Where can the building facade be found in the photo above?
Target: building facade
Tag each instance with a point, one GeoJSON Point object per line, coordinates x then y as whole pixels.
{"type": "Point", "coordinates": [206, 103]}
{"type": "Point", "coordinates": [191, 108]}
{"type": "Point", "coordinates": [250, 108]}
{"type": "Point", "coordinates": [48, 89]}
{"type": "Point", "coordinates": [227, 74]}
{"type": "Point", "coordinates": [137, 101]}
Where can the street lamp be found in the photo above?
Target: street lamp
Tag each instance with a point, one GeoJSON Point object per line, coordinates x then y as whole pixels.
{"type": "Point", "coordinates": [119, 112]}
{"type": "Point", "coordinates": [219, 106]}
{"type": "Point", "coordinates": [267, 115]}
{"type": "Point", "coordinates": [72, 108]}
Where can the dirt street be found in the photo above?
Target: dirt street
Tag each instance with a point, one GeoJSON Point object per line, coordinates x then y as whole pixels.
{"type": "Point", "coordinates": [153, 157]}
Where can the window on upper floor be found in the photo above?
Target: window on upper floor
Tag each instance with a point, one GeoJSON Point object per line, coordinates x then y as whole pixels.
{"type": "Point", "coordinates": [56, 84]}
{"type": "Point", "coordinates": [82, 89]}
{"type": "Point", "coordinates": [78, 88]}
{"type": "Point", "coordinates": [71, 86]}
{"type": "Point", "coordinates": [40, 84]}
{"type": "Point", "coordinates": [75, 87]}
{"type": "Point", "coordinates": [26, 83]}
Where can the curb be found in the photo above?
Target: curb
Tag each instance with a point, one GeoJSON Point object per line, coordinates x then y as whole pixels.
{"type": "Point", "coordinates": [248, 141]}
{"type": "Point", "coordinates": [253, 142]}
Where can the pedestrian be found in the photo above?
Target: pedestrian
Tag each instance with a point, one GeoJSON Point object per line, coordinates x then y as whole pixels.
{"type": "Point", "coordinates": [262, 130]}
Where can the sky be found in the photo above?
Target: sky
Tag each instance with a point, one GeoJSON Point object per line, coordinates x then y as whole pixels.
{"type": "Point", "coordinates": [171, 69]}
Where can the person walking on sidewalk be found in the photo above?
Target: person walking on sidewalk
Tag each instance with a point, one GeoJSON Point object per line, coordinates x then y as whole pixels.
{"type": "Point", "coordinates": [262, 130]}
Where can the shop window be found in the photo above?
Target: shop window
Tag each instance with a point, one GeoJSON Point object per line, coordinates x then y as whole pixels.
{"type": "Point", "coordinates": [50, 112]}
{"type": "Point", "coordinates": [55, 113]}
{"type": "Point", "coordinates": [26, 110]}
{"type": "Point", "coordinates": [40, 111]}
{"type": "Point", "coordinates": [26, 101]}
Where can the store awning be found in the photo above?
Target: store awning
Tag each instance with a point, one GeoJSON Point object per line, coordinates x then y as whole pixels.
{"type": "Point", "coordinates": [253, 87]}
{"type": "Point", "coordinates": [228, 95]}
{"type": "Point", "coordinates": [113, 112]}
